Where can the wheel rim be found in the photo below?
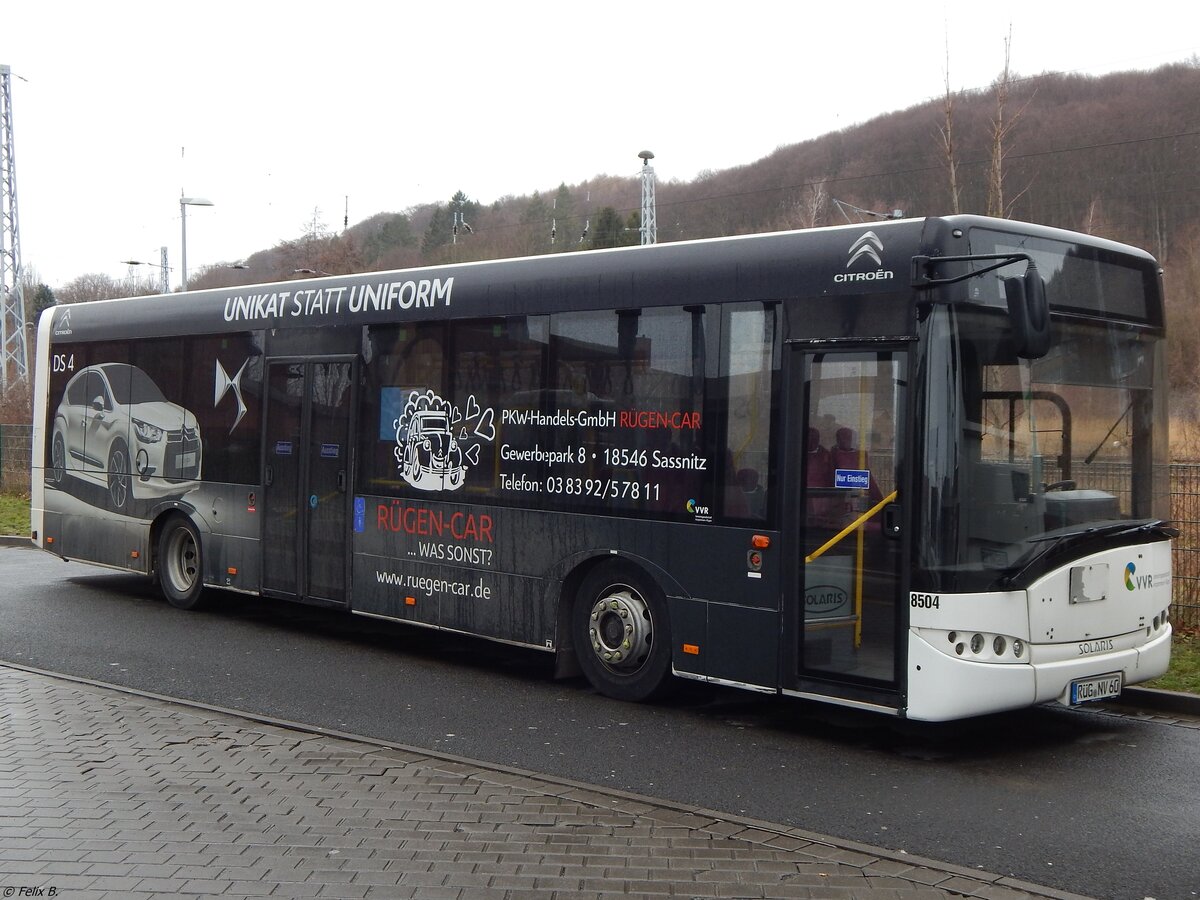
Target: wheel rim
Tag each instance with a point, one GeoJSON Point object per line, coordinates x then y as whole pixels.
{"type": "Point", "coordinates": [182, 560]}
{"type": "Point", "coordinates": [621, 629]}
{"type": "Point", "coordinates": [118, 478]}
{"type": "Point", "coordinates": [58, 458]}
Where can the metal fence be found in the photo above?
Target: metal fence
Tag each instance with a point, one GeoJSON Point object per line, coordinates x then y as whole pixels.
{"type": "Point", "coordinates": [1185, 514]}
{"type": "Point", "coordinates": [16, 441]}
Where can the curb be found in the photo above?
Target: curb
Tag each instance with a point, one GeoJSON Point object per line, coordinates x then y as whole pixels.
{"type": "Point", "coordinates": [1160, 700]}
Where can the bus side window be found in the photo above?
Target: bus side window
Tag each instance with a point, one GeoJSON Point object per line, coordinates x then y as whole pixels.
{"type": "Point", "coordinates": [747, 366]}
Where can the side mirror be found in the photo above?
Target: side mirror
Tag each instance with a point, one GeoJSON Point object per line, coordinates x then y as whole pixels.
{"type": "Point", "coordinates": [1029, 312]}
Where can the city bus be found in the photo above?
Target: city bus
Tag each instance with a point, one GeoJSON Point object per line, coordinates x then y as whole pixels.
{"type": "Point", "coordinates": [917, 466]}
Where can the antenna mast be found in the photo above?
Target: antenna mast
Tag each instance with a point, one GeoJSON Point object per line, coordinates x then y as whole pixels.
{"type": "Point", "coordinates": [649, 224]}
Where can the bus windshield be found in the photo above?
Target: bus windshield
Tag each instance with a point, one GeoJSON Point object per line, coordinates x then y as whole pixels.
{"type": "Point", "coordinates": [1020, 452]}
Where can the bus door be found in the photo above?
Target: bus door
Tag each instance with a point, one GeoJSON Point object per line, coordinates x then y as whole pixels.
{"type": "Point", "coordinates": [306, 478]}
{"type": "Point", "coordinates": [847, 617]}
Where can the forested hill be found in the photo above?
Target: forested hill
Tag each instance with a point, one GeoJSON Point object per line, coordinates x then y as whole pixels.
{"type": "Point", "coordinates": [1116, 155]}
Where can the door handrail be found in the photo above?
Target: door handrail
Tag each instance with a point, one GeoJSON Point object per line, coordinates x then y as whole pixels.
{"type": "Point", "coordinates": [851, 528]}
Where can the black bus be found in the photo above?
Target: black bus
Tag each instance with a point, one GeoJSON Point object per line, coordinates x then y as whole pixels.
{"type": "Point", "coordinates": [917, 466]}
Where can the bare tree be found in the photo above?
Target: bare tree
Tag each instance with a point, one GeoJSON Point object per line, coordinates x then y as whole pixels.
{"type": "Point", "coordinates": [1001, 130]}
{"type": "Point", "coordinates": [1093, 219]}
{"type": "Point", "coordinates": [1182, 282]}
{"type": "Point", "coordinates": [16, 403]}
{"type": "Point", "coordinates": [947, 130]}
{"type": "Point", "coordinates": [98, 286]}
{"type": "Point", "coordinates": [812, 204]}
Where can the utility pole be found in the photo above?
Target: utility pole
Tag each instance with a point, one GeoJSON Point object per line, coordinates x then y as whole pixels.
{"type": "Point", "coordinates": [649, 227]}
{"type": "Point", "coordinates": [12, 317]}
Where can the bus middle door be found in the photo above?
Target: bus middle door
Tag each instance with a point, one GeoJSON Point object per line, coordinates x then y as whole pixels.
{"type": "Point", "coordinates": [307, 458]}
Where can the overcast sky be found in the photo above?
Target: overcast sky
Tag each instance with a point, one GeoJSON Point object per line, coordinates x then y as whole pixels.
{"type": "Point", "coordinates": [275, 110]}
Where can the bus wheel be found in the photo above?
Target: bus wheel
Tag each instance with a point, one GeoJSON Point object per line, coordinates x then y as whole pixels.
{"type": "Point", "coordinates": [118, 475]}
{"type": "Point", "coordinates": [621, 633]}
{"type": "Point", "coordinates": [180, 574]}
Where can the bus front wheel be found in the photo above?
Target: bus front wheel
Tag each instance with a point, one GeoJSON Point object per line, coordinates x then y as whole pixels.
{"type": "Point", "coordinates": [180, 574]}
{"type": "Point", "coordinates": [621, 633]}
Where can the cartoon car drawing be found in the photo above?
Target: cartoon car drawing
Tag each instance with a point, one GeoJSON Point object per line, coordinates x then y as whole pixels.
{"type": "Point", "coordinates": [430, 458]}
{"type": "Point", "coordinates": [115, 428]}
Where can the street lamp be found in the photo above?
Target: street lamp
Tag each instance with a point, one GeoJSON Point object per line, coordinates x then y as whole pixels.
{"type": "Point", "coordinates": [184, 203]}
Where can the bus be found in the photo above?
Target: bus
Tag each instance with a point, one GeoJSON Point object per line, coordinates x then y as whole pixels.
{"type": "Point", "coordinates": [917, 466]}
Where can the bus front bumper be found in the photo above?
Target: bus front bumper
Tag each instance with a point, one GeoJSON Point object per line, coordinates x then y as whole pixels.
{"type": "Point", "coordinates": [942, 688]}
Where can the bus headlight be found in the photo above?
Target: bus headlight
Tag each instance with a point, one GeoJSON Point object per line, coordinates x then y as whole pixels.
{"type": "Point", "coordinates": [984, 647]}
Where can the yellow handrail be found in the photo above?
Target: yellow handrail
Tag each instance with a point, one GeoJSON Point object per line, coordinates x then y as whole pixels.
{"type": "Point", "coordinates": [837, 538]}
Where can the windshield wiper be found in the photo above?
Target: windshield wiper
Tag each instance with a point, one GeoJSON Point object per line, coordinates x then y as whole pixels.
{"type": "Point", "coordinates": [1100, 446]}
{"type": "Point", "coordinates": [1052, 542]}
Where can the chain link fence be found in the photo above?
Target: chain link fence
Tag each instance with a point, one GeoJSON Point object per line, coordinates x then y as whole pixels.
{"type": "Point", "coordinates": [1185, 515]}
{"type": "Point", "coordinates": [15, 444]}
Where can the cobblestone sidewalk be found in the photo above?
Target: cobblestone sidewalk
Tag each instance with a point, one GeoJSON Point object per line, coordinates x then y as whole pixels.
{"type": "Point", "coordinates": [105, 793]}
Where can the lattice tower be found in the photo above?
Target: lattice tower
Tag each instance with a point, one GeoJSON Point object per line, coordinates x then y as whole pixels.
{"type": "Point", "coordinates": [12, 323]}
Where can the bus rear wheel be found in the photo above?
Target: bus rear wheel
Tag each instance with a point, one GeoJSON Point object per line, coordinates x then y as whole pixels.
{"type": "Point", "coordinates": [621, 633]}
{"type": "Point", "coordinates": [180, 573]}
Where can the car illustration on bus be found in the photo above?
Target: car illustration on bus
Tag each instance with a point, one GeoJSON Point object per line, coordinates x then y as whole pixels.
{"type": "Point", "coordinates": [429, 456]}
{"type": "Point", "coordinates": [115, 428]}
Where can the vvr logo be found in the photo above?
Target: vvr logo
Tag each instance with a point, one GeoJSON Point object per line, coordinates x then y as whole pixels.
{"type": "Point", "coordinates": [1134, 582]}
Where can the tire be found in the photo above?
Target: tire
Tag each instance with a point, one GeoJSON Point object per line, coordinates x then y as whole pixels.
{"type": "Point", "coordinates": [180, 564]}
{"type": "Point", "coordinates": [621, 633]}
{"type": "Point", "coordinates": [58, 459]}
{"type": "Point", "coordinates": [120, 482]}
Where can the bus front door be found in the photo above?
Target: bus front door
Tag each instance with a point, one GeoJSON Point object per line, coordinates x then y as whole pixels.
{"type": "Point", "coordinates": [848, 616]}
{"type": "Point", "coordinates": [306, 477]}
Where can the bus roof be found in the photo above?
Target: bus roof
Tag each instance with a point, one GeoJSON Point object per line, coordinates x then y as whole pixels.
{"type": "Point", "coordinates": [853, 259]}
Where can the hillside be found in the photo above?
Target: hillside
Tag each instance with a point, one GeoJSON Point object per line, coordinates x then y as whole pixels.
{"type": "Point", "coordinates": [1116, 155]}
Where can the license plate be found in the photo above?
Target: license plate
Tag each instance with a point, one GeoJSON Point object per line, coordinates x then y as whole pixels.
{"type": "Point", "coordinates": [1101, 687]}
{"type": "Point", "coordinates": [187, 460]}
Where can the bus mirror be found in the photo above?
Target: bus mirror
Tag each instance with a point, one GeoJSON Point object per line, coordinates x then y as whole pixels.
{"type": "Point", "coordinates": [1029, 312]}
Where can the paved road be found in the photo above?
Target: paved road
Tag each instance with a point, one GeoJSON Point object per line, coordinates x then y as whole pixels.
{"type": "Point", "coordinates": [112, 795]}
{"type": "Point", "coordinates": [1089, 802]}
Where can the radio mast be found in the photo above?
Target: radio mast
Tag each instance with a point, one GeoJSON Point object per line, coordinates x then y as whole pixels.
{"type": "Point", "coordinates": [12, 320]}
